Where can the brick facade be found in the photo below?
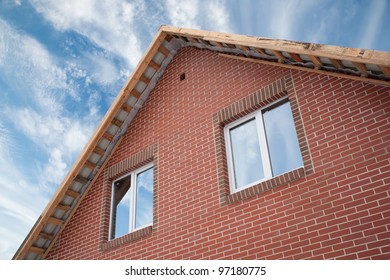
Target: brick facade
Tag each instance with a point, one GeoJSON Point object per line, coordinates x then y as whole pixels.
{"type": "Point", "coordinates": [337, 206]}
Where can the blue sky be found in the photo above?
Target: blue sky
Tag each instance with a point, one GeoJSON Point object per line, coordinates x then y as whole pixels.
{"type": "Point", "coordinates": [63, 62]}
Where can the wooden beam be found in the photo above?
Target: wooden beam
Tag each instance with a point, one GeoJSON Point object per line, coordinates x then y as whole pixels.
{"type": "Point", "coordinates": [261, 51]}
{"type": "Point", "coordinates": [81, 179]}
{"type": "Point", "coordinates": [164, 50]}
{"type": "Point", "coordinates": [244, 48]}
{"type": "Point", "coordinates": [126, 107]}
{"type": "Point", "coordinates": [37, 250]}
{"type": "Point", "coordinates": [336, 63]}
{"type": "Point", "coordinates": [46, 235]}
{"type": "Point", "coordinates": [99, 151]}
{"type": "Point", "coordinates": [385, 70]}
{"type": "Point", "coordinates": [90, 165]}
{"type": "Point", "coordinates": [362, 68]}
{"type": "Point", "coordinates": [72, 193]}
{"type": "Point", "coordinates": [217, 44]}
{"type": "Point", "coordinates": [117, 122]}
{"type": "Point", "coordinates": [190, 39]}
{"type": "Point", "coordinates": [154, 65]}
{"type": "Point", "coordinates": [108, 136]}
{"type": "Point", "coordinates": [134, 93]}
{"type": "Point", "coordinates": [144, 79]}
{"type": "Point", "coordinates": [55, 221]}
{"type": "Point", "coordinates": [318, 71]}
{"type": "Point", "coordinates": [316, 61]}
{"type": "Point", "coordinates": [279, 55]}
{"type": "Point", "coordinates": [296, 57]}
{"type": "Point", "coordinates": [63, 207]}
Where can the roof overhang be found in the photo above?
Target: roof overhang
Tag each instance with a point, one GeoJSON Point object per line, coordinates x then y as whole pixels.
{"type": "Point", "coordinates": [358, 64]}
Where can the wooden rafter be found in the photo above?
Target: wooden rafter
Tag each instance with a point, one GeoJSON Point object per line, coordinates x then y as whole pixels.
{"type": "Point", "coordinates": [72, 193]}
{"type": "Point", "coordinates": [90, 165]}
{"type": "Point", "coordinates": [362, 68]}
{"type": "Point", "coordinates": [164, 50]}
{"type": "Point", "coordinates": [37, 250]}
{"type": "Point", "coordinates": [336, 63]}
{"type": "Point", "coordinates": [296, 57]}
{"type": "Point", "coordinates": [99, 151]}
{"type": "Point", "coordinates": [55, 221]}
{"type": "Point", "coordinates": [385, 70]}
{"type": "Point", "coordinates": [117, 122]}
{"type": "Point", "coordinates": [316, 61]}
{"type": "Point", "coordinates": [63, 207]}
{"type": "Point", "coordinates": [279, 55]}
{"type": "Point", "coordinates": [154, 65]}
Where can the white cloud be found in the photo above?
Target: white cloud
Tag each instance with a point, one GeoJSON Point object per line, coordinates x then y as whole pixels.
{"type": "Point", "coordinates": [183, 13]}
{"type": "Point", "coordinates": [218, 16]}
{"type": "Point", "coordinates": [211, 15]}
{"type": "Point", "coordinates": [108, 23]}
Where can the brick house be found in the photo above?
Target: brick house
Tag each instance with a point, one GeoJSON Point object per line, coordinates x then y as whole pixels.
{"type": "Point", "coordinates": [224, 146]}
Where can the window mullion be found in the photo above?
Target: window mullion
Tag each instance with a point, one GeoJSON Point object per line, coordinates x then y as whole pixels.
{"type": "Point", "coordinates": [132, 202]}
{"type": "Point", "coordinates": [263, 145]}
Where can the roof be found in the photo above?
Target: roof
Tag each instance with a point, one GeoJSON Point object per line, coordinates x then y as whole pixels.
{"type": "Point", "coordinates": [358, 64]}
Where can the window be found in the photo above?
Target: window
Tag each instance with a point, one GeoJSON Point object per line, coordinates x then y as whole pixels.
{"type": "Point", "coordinates": [132, 202]}
{"type": "Point", "coordinates": [262, 145]}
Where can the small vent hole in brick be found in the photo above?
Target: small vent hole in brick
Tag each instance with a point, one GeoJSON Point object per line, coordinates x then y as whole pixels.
{"type": "Point", "coordinates": [182, 76]}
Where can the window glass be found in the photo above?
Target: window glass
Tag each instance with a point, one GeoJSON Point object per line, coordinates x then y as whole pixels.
{"type": "Point", "coordinates": [121, 211]}
{"type": "Point", "coordinates": [132, 202]}
{"type": "Point", "coordinates": [144, 206]}
{"type": "Point", "coordinates": [246, 155]}
{"type": "Point", "coordinates": [282, 139]}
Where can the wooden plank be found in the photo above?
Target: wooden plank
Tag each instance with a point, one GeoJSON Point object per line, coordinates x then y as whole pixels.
{"type": "Point", "coordinates": [385, 70]}
{"type": "Point", "coordinates": [90, 165]}
{"type": "Point", "coordinates": [318, 71]}
{"type": "Point", "coordinates": [81, 179]}
{"type": "Point", "coordinates": [37, 250]}
{"type": "Point", "coordinates": [316, 61]}
{"type": "Point", "coordinates": [217, 44]}
{"type": "Point", "coordinates": [244, 48]}
{"type": "Point", "coordinates": [154, 65]}
{"type": "Point", "coordinates": [296, 57]}
{"type": "Point", "coordinates": [135, 93]}
{"type": "Point", "coordinates": [108, 136]}
{"type": "Point", "coordinates": [362, 69]}
{"type": "Point", "coordinates": [99, 151]}
{"type": "Point", "coordinates": [63, 207]}
{"type": "Point", "coordinates": [319, 50]}
{"type": "Point", "coordinates": [54, 221]}
{"type": "Point", "coordinates": [279, 55]}
{"type": "Point", "coordinates": [164, 50]}
{"type": "Point", "coordinates": [144, 79]}
{"type": "Point", "coordinates": [126, 107]}
{"type": "Point", "coordinates": [117, 122]}
{"type": "Point", "coordinates": [46, 235]}
{"type": "Point", "coordinates": [261, 51]}
{"type": "Point", "coordinates": [72, 193]}
{"type": "Point", "coordinates": [336, 63]}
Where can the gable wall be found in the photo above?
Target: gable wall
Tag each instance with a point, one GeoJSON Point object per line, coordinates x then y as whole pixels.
{"type": "Point", "coordinates": [341, 210]}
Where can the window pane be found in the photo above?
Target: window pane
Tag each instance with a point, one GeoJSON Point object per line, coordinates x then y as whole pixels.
{"type": "Point", "coordinates": [247, 164]}
{"type": "Point", "coordinates": [121, 214]}
{"type": "Point", "coordinates": [144, 206]}
{"type": "Point", "coordinates": [282, 139]}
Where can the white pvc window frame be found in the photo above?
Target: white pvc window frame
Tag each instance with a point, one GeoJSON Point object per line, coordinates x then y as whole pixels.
{"type": "Point", "coordinates": [133, 203]}
{"type": "Point", "coordinates": [261, 134]}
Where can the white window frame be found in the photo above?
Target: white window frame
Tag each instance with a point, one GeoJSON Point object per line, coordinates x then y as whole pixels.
{"type": "Point", "coordinates": [265, 157]}
{"type": "Point", "coordinates": [133, 197]}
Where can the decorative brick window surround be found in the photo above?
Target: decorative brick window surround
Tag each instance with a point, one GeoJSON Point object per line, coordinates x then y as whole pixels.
{"type": "Point", "coordinates": [277, 90]}
{"type": "Point", "coordinates": [114, 172]}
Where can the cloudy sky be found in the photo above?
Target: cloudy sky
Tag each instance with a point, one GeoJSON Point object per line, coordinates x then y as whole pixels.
{"type": "Point", "coordinates": [63, 62]}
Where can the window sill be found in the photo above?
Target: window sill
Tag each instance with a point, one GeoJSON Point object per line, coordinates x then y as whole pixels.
{"type": "Point", "coordinates": [265, 185]}
{"type": "Point", "coordinates": [128, 238]}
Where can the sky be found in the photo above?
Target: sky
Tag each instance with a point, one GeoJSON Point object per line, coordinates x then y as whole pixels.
{"type": "Point", "coordinates": [63, 62]}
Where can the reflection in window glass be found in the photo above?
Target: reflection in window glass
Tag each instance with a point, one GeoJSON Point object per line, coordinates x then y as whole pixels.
{"type": "Point", "coordinates": [245, 149]}
{"type": "Point", "coordinates": [144, 205]}
{"type": "Point", "coordinates": [121, 211]}
{"type": "Point", "coordinates": [282, 139]}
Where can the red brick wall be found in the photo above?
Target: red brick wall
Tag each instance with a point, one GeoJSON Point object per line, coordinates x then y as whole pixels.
{"type": "Point", "coordinates": [341, 209]}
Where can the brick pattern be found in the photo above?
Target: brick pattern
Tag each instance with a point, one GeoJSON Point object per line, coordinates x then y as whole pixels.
{"type": "Point", "coordinates": [276, 90]}
{"type": "Point", "coordinates": [340, 210]}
